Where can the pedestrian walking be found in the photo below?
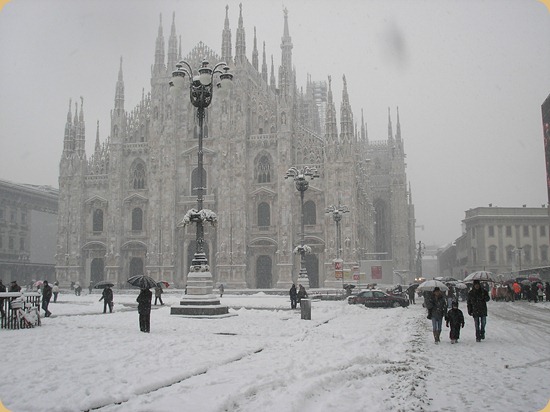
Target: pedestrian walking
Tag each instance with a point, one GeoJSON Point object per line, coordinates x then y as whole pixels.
{"type": "Point", "coordinates": [517, 291]}
{"type": "Point", "coordinates": [55, 290]}
{"type": "Point", "coordinates": [90, 287]}
{"type": "Point", "coordinates": [107, 298]}
{"type": "Point", "coordinates": [77, 289]}
{"type": "Point", "coordinates": [158, 295]}
{"type": "Point", "coordinates": [293, 296]}
{"type": "Point", "coordinates": [222, 289]}
{"type": "Point", "coordinates": [477, 308]}
{"type": "Point", "coordinates": [534, 292]}
{"type": "Point", "coordinates": [540, 292]}
{"type": "Point", "coordinates": [411, 291]}
{"type": "Point", "coordinates": [144, 310]}
{"type": "Point", "coordinates": [437, 309]}
{"type": "Point", "coordinates": [547, 291]}
{"type": "Point", "coordinates": [46, 296]}
{"type": "Point", "coordinates": [454, 319]}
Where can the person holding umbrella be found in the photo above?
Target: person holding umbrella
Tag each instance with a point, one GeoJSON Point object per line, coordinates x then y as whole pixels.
{"type": "Point", "coordinates": [107, 298]}
{"type": "Point", "coordinates": [477, 308]}
{"type": "Point", "coordinates": [144, 309]}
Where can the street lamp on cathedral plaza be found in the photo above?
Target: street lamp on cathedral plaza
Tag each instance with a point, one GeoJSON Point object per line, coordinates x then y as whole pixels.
{"type": "Point", "coordinates": [201, 90]}
{"type": "Point", "coordinates": [337, 212]}
{"type": "Point", "coordinates": [301, 179]}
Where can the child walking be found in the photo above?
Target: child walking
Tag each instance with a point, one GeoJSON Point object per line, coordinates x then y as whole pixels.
{"type": "Point", "coordinates": [454, 318]}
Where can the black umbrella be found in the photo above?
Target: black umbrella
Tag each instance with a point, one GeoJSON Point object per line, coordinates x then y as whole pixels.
{"type": "Point", "coordinates": [143, 282]}
{"type": "Point", "coordinates": [103, 284]}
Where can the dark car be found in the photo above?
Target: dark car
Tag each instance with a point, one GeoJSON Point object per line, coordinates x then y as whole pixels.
{"type": "Point", "coordinates": [377, 299]}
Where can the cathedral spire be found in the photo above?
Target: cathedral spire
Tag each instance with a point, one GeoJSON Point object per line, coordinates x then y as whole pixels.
{"type": "Point", "coordinates": [331, 132]}
{"type": "Point", "coordinates": [159, 67]}
{"type": "Point", "coordinates": [364, 131]}
{"type": "Point", "coordinates": [226, 39]}
{"type": "Point", "coordinates": [80, 143]}
{"type": "Point", "coordinates": [240, 45]}
{"type": "Point", "coordinates": [119, 92]}
{"type": "Point", "coordinates": [346, 116]}
{"type": "Point", "coordinates": [398, 132]}
{"type": "Point", "coordinates": [272, 84]}
{"type": "Point", "coordinates": [286, 45]}
{"type": "Point", "coordinates": [390, 129]}
{"type": "Point", "coordinates": [172, 46]}
{"type": "Point", "coordinates": [264, 66]}
{"type": "Point", "coordinates": [97, 145]}
{"type": "Point", "coordinates": [286, 56]}
{"type": "Point", "coordinates": [255, 52]}
{"type": "Point", "coordinates": [68, 141]}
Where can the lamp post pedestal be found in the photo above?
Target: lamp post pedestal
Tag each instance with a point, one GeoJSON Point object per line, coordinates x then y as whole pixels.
{"type": "Point", "coordinates": [200, 301]}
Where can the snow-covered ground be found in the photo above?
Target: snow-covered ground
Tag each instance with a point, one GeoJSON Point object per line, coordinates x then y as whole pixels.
{"type": "Point", "coordinates": [347, 358]}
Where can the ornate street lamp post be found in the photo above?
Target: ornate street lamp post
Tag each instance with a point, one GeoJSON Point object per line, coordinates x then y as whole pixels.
{"type": "Point", "coordinates": [337, 212]}
{"type": "Point", "coordinates": [201, 89]}
{"type": "Point", "coordinates": [301, 179]}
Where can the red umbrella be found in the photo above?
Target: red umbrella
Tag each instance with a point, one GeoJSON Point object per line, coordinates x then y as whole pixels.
{"type": "Point", "coordinates": [38, 283]}
{"type": "Point", "coordinates": [534, 278]}
{"type": "Point", "coordinates": [163, 284]}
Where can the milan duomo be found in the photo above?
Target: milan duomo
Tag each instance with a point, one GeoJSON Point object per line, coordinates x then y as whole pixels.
{"type": "Point", "coordinates": [119, 208]}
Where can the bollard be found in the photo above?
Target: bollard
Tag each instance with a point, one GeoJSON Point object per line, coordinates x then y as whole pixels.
{"type": "Point", "coordinates": [305, 308]}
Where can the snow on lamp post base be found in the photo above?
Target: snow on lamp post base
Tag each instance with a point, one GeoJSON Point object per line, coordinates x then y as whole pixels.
{"type": "Point", "coordinates": [200, 300]}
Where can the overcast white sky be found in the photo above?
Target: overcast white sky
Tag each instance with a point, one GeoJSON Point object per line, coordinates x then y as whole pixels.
{"type": "Point", "coordinates": [468, 76]}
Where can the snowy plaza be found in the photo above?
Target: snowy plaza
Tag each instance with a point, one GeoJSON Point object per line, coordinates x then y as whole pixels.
{"type": "Point", "coordinates": [266, 358]}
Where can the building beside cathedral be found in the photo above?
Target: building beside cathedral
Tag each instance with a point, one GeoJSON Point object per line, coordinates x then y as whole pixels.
{"type": "Point", "coordinates": [119, 207]}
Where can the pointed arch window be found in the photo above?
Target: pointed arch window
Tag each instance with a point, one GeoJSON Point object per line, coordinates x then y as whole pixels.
{"type": "Point", "coordinates": [97, 225]}
{"type": "Point", "coordinates": [137, 219]}
{"type": "Point", "coordinates": [138, 176]}
{"type": "Point", "coordinates": [195, 183]}
{"type": "Point", "coordinates": [264, 170]}
{"type": "Point", "coordinates": [264, 215]}
{"type": "Point", "coordinates": [310, 213]}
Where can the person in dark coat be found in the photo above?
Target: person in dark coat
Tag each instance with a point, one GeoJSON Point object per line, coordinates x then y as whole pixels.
{"type": "Point", "coordinates": [534, 292]}
{"type": "Point", "coordinates": [90, 287]}
{"type": "Point", "coordinates": [301, 294]}
{"type": "Point", "coordinates": [46, 296]}
{"type": "Point", "coordinates": [144, 310]}
{"type": "Point", "coordinates": [411, 291]}
{"type": "Point", "coordinates": [437, 309]}
{"type": "Point", "coordinates": [454, 318]}
{"type": "Point", "coordinates": [14, 287]}
{"type": "Point", "coordinates": [477, 308]}
{"type": "Point", "coordinates": [547, 291]}
{"type": "Point", "coordinates": [107, 298]}
{"type": "Point", "coordinates": [293, 296]}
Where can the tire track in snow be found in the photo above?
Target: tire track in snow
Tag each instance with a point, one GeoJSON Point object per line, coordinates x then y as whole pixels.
{"type": "Point", "coordinates": [180, 379]}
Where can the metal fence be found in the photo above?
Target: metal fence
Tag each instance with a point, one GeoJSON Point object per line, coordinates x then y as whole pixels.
{"type": "Point", "coordinates": [17, 316]}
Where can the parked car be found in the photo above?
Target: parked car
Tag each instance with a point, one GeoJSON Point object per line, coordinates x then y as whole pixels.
{"type": "Point", "coordinates": [378, 299]}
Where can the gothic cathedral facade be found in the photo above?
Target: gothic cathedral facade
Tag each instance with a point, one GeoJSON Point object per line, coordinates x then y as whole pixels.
{"type": "Point", "coordinates": [119, 208]}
